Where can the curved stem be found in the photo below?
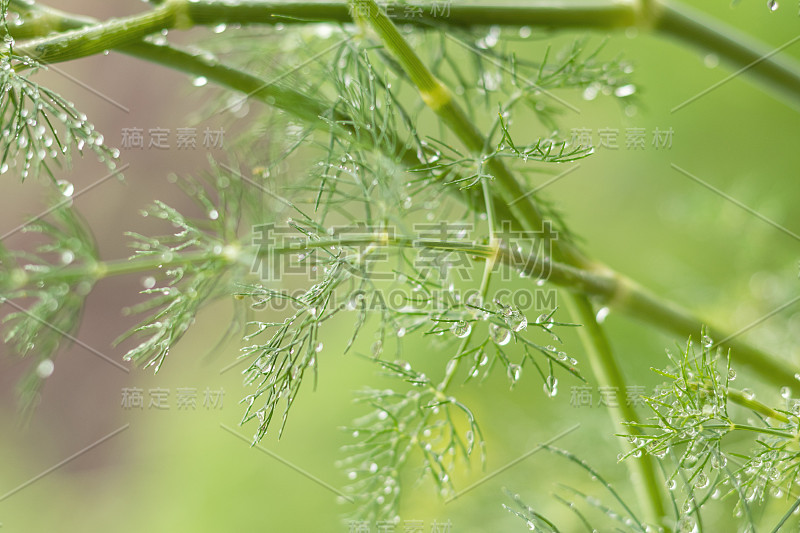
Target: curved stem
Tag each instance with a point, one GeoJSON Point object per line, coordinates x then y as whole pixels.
{"type": "Point", "coordinates": [608, 374]}
{"type": "Point", "coordinates": [753, 429]}
{"type": "Point", "coordinates": [668, 18]}
{"type": "Point", "coordinates": [742, 51]}
{"type": "Point", "coordinates": [611, 288]}
{"type": "Point", "coordinates": [438, 97]}
{"type": "Point", "coordinates": [738, 397]}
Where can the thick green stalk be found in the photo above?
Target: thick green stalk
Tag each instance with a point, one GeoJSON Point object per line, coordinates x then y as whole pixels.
{"type": "Point", "coordinates": [94, 39]}
{"type": "Point", "coordinates": [742, 51]}
{"type": "Point", "coordinates": [668, 18]}
{"type": "Point", "coordinates": [438, 97]}
{"type": "Point", "coordinates": [606, 286]}
{"type": "Point", "coordinates": [740, 398]}
{"type": "Point", "coordinates": [608, 374]}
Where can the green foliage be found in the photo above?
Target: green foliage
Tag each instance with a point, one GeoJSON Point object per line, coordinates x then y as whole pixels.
{"type": "Point", "coordinates": [52, 316]}
{"type": "Point", "coordinates": [699, 426]}
{"type": "Point", "coordinates": [40, 127]}
{"type": "Point", "coordinates": [349, 169]}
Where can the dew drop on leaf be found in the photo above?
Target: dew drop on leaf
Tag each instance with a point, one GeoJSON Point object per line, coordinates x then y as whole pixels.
{"type": "Point", "coordinates": [65, 187]}
{"type": "Point", "coordinates": [199, 81]}
{"type": "Point", "coordinates": [625, 90]}
{"type": "Point", "coordinates": [773, 5]}
{"type": "Point", "coordinates": [500, 335]}
{"type": "Point", "coordinates": [515, 320]}
{"type": "Point", "coordinates": [377, 348]}
{"type": "Point", "coordinates": [45, 368]}
{"type": "Point", "coordinates": [461, 329]}
{"type": "Point", "coordinates": [545, 320]}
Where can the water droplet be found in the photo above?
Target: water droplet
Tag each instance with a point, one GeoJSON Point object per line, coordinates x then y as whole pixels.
{"type": "Point", "coordinates": [514, 372]}
{"type": "Point", "coordinates": [500, 335]}
{"type": "Point", "coordinates": [219, 28]}
{"type": "Point", "coordinates": [213, 214]}
{"type": "Point", "coordinates": [67, 257]}
{"type": "Point", "coordinates": [786, 393]}
{"type": "Point", "coordinates": [711, 60]}
{"type": "Point", "coordinates": [701, 481]}
{"type": "Point", "coordinates": [199, 81]}
{"type": "Point", "coordinates": [748, 394]}
{"type": "Point", "coordinates": [708, 342]}
{"type": "Point", "coordinates": [590, 92]}
{"type": "Point", "coordinates": [602, 313]}
{"type": "Point", "coordinates": [731, 375]}
{"type": "Point", "coordinates": [377, 348]}
{"type": "Point", "coordinates": [318, 347]}
{"type": "Point", "coordinates": [515, 320]}
{"type": "Point", "coordinates": [461, 329]}
{"type": "Point", "coordinates": [545, 320]}
{"type": "Point", "coordinates": [773, 5]}
{"type": "Point", "coordinates": [525, 32]}
{"type": "Point", "coordinates": [65, 187]}
{"type": "Point", "coordinates": [45, 368]}
{"type": "Point", "coordinates": [149, 282]}
{"type": "Point", "coordinates": [625, 90]}
{"type": "Point", "coordinates": [551, 386]}
{"type": "Point", "coordinates": [671, 484]}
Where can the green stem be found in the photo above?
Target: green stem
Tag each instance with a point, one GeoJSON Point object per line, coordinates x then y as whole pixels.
{"type": "Point", "coordinates": [437, 96]}
{"type": "Point", "coordinates": [640, 303]}
{"type": "Point", "coordinates": [739, 49]}
{"type": "Point", "coordinates": [608, 373]}
{"type": "Point", "coordinates": [738, 397]}
{"type": "Point", "coordinates": [753, 429]}
{"type": "Point", "coordinates": [606, 286]}
{"type": "Point", "coordinates": [232, 254]}
{"type": "Point", "coordinates": [94, 39]}
{"type": "Point", "coordinates": [668, 18]}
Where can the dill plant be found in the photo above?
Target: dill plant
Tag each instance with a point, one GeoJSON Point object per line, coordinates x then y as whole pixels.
{"type": "Point", "coordinates": [396, 120]}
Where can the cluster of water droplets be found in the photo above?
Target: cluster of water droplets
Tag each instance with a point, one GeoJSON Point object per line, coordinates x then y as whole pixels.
{"type": "Point", "coordinates": [40, 127]}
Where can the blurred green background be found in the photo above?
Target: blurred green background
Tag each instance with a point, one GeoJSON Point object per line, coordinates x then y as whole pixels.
{"type": "Point", "coordinates": [179, 470]}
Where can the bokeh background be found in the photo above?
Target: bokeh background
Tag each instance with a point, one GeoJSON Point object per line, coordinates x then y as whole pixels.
{"type": "Point", "coordinates": [179, 470]}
